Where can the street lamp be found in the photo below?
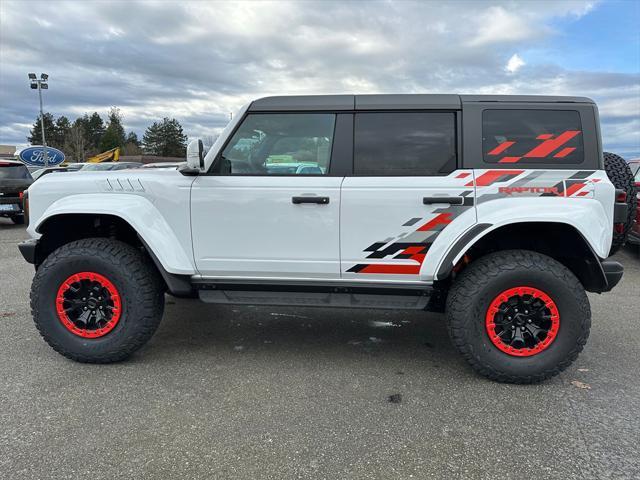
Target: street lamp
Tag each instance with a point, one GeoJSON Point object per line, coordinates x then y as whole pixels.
{"type": "Point", "coordinates": [40, 84]}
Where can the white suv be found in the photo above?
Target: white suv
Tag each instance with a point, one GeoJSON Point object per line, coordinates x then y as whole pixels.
{"type": "Point", "coordinates": [496, 209]}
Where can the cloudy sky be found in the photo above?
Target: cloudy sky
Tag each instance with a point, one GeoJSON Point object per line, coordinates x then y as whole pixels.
{"type": "Point", "coordinates": [197, 61]}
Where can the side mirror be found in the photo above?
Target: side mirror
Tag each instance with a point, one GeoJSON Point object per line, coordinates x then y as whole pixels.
{"type": "Point", "coordinates": [195, 154]}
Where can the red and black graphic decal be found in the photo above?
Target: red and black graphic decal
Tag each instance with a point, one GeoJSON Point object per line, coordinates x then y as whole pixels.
{"type": "Point", "coordinates": [573, 184]}
{"type": "Point", "coordinates": [494, 176]}
{"type": "Point", "coordinates": [533, 183]}
{"type": "Point", "coordinates": [412, 247]}
{"type": "Point", "coordinates": [553, 148]}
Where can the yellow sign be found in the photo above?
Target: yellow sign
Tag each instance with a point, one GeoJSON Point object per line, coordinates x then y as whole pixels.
{"type": "Point", "coordinates": [109, 156]}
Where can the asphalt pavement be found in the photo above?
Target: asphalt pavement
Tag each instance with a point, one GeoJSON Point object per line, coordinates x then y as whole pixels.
{"type": "Point", "coordinates": [279, 393]}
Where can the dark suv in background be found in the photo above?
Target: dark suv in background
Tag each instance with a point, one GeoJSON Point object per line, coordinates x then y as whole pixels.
{"type": "Point", "coordinates": [14, 180]}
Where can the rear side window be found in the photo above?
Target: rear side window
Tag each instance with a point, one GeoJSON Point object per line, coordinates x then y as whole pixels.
{"type": "Point", "coordinates": [14, 172]}
{"type": "Point", "coordinates": [549, 137]}
{"type": "Point", "coordinates": [407, 143]}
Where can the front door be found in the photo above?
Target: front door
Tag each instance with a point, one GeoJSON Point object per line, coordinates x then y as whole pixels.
{"type": "Point", "coordinates": [404, 192]}
{"type": "Point", "coordinates": [270, 209]}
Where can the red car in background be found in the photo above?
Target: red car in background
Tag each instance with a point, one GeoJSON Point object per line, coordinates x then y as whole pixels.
{"type": "Point", "coordinates": [634, 233]}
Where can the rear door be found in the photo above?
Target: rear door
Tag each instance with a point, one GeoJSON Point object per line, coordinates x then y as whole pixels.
{"type": "Point", "coordinates": [271, 207]}
{"type": "Point", "coordinates": [404, 192]}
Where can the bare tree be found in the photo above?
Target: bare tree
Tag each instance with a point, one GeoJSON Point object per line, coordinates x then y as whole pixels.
{"type": "Point", "coordinates": [76, 142]}
{"type": "Point", "coordinates": [130, 148]}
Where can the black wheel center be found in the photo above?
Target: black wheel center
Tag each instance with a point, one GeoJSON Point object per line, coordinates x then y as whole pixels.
{"type": "Point", "coordinates": [523, 321]}
{"type": "Point", "coordinates": [88, 304]}
{"type": "Point", "coordinates": [520, 319]}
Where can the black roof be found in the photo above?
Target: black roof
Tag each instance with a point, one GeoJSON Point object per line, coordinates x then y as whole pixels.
{"type": "Point", "coordinates": [395, 101]}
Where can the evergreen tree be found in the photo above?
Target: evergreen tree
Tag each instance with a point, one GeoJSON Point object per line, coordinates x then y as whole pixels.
{"type": "Point", "coordinates": [35, 134]}
{"type": "Point", "coordinates": [165, 139]}
{"type": "Point", "coordinates": [114, 134]}
{"type": "Point", "coordinates": [60, 133]}
{"type": "Point", "coordinates": [152, 139]}
{"type": "Point", "coordinates": [176, 140]}
{"type": "Point", "coordinates": [132, 138]}
{"type": "Point", "coordinates": [93, 127]}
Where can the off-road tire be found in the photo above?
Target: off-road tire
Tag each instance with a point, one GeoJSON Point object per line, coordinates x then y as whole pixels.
{"type": "Point", "coordinates": [131, 273]}
{"type": "Point", "coordinates": [18, 219]}
{"type": "Point", "coordinates": [621, 176]}
{"type": "Point", "coordinates": [474, 289]}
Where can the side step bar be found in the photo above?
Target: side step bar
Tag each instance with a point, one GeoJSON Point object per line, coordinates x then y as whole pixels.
{"type": "Point", "coordinates": [311, 295]}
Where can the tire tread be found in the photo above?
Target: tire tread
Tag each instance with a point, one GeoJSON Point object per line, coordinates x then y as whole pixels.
{"type": "Point", "coordinates": [487, 269]}
{"type": "Point", "coordinates": [137, 267]}
{"type": "Point", "coordinates": [620, 174]}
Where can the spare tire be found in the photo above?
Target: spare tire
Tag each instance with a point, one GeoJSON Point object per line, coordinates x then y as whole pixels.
{"type": "Point", "coordinates": [620, 174]}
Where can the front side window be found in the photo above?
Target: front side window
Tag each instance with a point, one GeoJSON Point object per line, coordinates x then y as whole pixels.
{"type": "Point", "coordinates": [547, 137]}
{"type": "Point", "coordinates": [280, 144]}
{"type": "Point", "coordinates": [404, 143]}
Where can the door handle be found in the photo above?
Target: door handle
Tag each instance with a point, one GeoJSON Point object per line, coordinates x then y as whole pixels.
{"type": "Point", "coordinates": [317, 200]}
{"type": "Point", "coordinates": [449, 200]}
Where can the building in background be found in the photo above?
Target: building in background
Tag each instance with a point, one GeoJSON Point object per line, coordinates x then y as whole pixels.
{"type": "Point", "coordinates": [8, 152]}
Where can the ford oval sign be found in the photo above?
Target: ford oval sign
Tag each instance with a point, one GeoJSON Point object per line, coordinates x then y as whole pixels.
{"type": "Point", "coordinates": [34, 156]}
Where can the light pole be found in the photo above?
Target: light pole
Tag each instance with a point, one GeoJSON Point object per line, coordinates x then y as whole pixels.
{"type": "Point", "coordinates": [41, 83]}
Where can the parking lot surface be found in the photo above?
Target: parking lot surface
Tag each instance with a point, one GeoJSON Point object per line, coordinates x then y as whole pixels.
{"type": "Point", "coordinates": [264, 392]}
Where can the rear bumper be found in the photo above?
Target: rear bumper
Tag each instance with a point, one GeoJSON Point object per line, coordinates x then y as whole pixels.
{"type": "Point", "coordinates": [15, 205]}
{"type": "Point", "coordinates": [613, 273]}
{"type": "Point", "coordinates": [620, 212]}
{"type": "Point", "coordinates": [28, 250]}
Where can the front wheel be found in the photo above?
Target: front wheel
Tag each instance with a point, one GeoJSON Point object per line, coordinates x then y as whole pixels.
{"type": "Point", "coordinates": [97, 300]}
{"type": "Point", "coordinates": [518, 316]}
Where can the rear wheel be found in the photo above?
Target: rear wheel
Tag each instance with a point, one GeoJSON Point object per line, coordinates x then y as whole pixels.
{"type": "Point", "coordinates": [518, 316]}
{"type": "Point", "coordinates": [97, 300]}
{"type": "Point", "coordinates": [621, 176]}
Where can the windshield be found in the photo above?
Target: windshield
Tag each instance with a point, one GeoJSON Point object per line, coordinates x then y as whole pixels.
{"type": "Point", "coordinates": [14, 172]}
{"type": "Point", "coordinates": [213, 151]}
{"type": "Point", "coordinates": [637, 167]}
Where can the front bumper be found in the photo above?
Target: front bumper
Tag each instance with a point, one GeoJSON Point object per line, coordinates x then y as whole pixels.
{"type": "Point", "coordinates": [28, 249]}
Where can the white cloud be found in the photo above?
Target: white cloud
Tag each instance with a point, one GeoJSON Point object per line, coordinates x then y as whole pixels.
{"type": "Point", "coordinates": [196, 61]}
{"type": "Point", "coordinates": [514, 63]}
{"type": "Point", "coordinates": [497, 25]}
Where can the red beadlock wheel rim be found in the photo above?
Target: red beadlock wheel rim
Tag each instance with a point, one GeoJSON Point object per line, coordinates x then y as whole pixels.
{"type": "Point", "coordinates": [522, 321]}
{"type": "Point", "coordinates": [88, 305]}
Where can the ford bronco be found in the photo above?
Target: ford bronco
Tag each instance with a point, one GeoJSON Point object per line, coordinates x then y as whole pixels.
{"type": "Point", "coordinates": [494, 209]}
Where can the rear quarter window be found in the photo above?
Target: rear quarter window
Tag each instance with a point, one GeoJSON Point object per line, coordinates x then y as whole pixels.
{"type": "Point", "coordinates": [546, 137]}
